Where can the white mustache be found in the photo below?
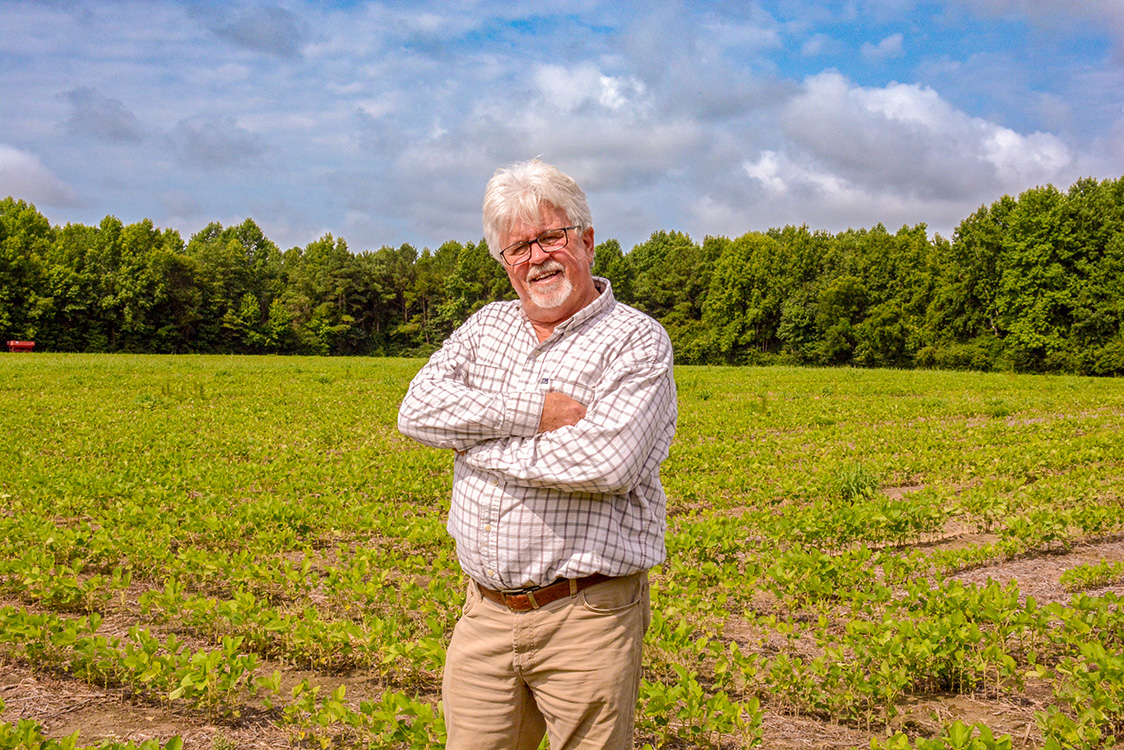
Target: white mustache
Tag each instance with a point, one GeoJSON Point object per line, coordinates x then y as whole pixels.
{"type": "Point", "coordinates": [547, 266]}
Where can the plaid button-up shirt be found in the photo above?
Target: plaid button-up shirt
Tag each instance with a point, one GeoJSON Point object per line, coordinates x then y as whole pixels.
{"type": "Point", "coordinates": [530, 508]}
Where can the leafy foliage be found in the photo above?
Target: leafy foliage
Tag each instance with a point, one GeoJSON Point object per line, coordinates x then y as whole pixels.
{"type": "Point", "coordinates": [1030, 283]}
{"type": "Point", "coordinates": [248, 522]}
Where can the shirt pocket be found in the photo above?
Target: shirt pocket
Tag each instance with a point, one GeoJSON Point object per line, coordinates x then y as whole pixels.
{"type": "Point", "coordinates": [580, 392]}
{"type": "Point", "coordinates": [486, 377]}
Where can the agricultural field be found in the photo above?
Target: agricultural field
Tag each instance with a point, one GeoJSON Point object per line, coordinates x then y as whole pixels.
{"type": "Point", "coordinates": [242, 552]}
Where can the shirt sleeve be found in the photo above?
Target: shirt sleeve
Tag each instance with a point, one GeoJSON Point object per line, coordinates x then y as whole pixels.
{"type": "Point", "coordinates": [625, 433]}
{"type": "Point", "coordinates": [442, 410]}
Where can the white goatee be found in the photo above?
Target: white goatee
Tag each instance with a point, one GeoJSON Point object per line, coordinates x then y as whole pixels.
{"type": "Point", "coordinates": [559, 291]}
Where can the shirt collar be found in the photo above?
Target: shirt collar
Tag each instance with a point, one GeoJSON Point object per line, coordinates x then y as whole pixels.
{"type": "Point", "coordinates": [595, 309]}
{"type": "Point", "coordinates": [602, 304]}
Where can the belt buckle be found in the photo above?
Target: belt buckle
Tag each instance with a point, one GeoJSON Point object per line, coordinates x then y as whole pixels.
{"type": "Point", "coordinates": [528, 592]}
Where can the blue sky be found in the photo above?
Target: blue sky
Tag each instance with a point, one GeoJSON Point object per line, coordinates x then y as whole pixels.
{"type": "Point", "coordinates": [381, 122]}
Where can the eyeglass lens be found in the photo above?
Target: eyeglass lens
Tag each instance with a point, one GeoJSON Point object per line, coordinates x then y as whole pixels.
{"type": "Point", "coordinates": [552, 239]}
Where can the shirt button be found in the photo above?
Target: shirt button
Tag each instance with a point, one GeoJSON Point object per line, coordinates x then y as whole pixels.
{"type": "Point", "coordinates": [491, 573]}
{"type": "Point", "coordinates": [487, 527]}
{"type": "Point", "coordinates": [495, 483]}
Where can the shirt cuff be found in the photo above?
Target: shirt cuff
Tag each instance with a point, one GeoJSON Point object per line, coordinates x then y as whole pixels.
{"type": "Point", "coordinates": [524, 412]}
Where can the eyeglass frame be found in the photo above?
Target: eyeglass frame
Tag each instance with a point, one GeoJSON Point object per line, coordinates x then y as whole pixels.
{"type": "Point", "coordinates": [565, 233]}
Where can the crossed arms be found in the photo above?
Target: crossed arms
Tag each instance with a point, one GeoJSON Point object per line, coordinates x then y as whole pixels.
{"type": "Point", "coordinates": [547, 439]}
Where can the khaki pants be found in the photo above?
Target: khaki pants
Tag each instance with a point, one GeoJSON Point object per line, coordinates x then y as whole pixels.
{"type": "Point", "coordinates": [571, 669]}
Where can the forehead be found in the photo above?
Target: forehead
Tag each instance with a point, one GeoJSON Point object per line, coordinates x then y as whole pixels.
{"type": "Point", "coordinates": [520, 229]}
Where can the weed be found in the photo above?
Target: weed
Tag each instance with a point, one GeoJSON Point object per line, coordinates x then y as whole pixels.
{"type": "Point", "coordinates": [855, 482]}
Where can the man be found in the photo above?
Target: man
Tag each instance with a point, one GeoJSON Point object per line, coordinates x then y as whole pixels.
{"type": "Point", "coordinates": [560, 408]}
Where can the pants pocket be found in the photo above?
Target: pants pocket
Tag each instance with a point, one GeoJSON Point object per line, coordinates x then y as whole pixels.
{"type": "Point", "coordinates": [472, 597]}
{"type": "Point", "coordinates": [618, 595]}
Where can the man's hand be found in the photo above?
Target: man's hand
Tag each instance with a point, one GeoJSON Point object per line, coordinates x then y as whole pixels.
{"type": "Point", "coordinates": [560, 410]}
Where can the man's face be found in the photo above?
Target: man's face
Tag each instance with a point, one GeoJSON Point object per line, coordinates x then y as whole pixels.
{"type": "Point", "coordinates": [552, 286]}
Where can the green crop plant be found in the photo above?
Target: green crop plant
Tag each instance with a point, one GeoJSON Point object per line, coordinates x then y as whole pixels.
{"type": "Point", "coordinates": [395, 720]}
{"type": "Point", "coordinates": [256, 521]}
{"type": "Point", "coordinates": [1092, 687]}
{"type": "Point", "coordinates": [683, 714]}
{"type": "Point", "coordinates": [1083, 577]}
{"type": "Point", "coordinates": [955, 736]}
{"type": "Point", "coordinates": [27, 735]}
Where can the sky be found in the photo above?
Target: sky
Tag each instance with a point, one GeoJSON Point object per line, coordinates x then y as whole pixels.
{"type": "Point", "coordinates": [381, 122]}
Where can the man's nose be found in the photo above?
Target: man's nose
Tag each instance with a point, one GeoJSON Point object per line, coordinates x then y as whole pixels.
{"type": "Point", "coordinates": [538, 255]}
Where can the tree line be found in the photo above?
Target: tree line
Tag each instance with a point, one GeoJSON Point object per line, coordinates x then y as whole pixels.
{"type": "Point", "coordinates": [1033, 283]}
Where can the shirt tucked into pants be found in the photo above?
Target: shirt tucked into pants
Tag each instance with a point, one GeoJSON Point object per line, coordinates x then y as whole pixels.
{"type": "Point", "coordinates": [570, 668]}
{"type": "Point", "coordinates": [530, 507]}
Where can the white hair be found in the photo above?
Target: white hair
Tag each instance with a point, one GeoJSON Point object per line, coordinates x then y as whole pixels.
{"type": "Point", "coordinates": [518, 194]}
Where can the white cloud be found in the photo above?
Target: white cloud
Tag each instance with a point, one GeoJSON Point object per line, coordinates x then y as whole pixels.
{"type": "Point", "coordinates": [617, 93]}
{"type": "Point", "coordinates": [23, 176]}
{"type": "Point", "coordinates": [569, 89]}
{"type": "Point", "coordinates": [890, 47]}
{"type": "Point", "coordinates": [905, 138]}
{"type": "Point", "coordinates": [1051, 14]}
{"type": "Point", "coordinates": [1025, 160]}
{"type": "Point", "coordinates": [819, 44]}
{"type": "Point", "coordinates": [768, 171]}
{"type": "Point", "coordinates": [898, 154]}
{"type": "Point", "coordinates": [780, 176]}
{"type": "Point", "coordinates": [760, 33]}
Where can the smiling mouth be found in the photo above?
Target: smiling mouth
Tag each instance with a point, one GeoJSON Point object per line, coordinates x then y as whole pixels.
{"type": "Point", "coordinates": [546, 277]}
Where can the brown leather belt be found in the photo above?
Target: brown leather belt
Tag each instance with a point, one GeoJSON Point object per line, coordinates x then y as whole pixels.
{"type": "Point", "coordinates": [522, 600]}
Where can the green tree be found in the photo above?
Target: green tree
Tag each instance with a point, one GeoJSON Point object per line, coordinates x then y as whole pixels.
{"type": "Point", "coordinates": [323, 292]}
{"type": "Point", "coordinates": [661, 267]}
{"type": "Point", "coordinates": [177, 300]}
{"type": "Point", "coordinates": [476, 279]}
{"type": "Point", "coordinates": [1095, 339]}
{"type": "Point", "coordinates": [798, 275]}
{"type": "Point", "coordinates": [146, 256]}
{"type": "Point", "coordinates": [898, 272]}
{"type": "Point", "coordinates": [77, 321]}
{"type": "Point", "coordinates": [25, 240]}
{"type": "Point", "coordinates": [232, 263]}
{"type": "Point", "coordinates": [1037, 285]}
{"type": "Point", "coordinates": [961, 326]}
{"type": "Point", "coordinates": [842, 305]}
{"type": "Point", "coordinates": [743, 306]}
{"type": "Point", "coordinates": [426, 328]}
{"type": "Point", "coordinates": [610, 262]}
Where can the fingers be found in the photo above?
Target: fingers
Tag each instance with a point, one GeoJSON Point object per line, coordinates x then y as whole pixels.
{"type": "Point", "coordinates": [559, 410]}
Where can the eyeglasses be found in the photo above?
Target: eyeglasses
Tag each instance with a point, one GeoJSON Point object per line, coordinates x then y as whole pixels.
{"type": "Point", "coordinates": [552, 240]}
